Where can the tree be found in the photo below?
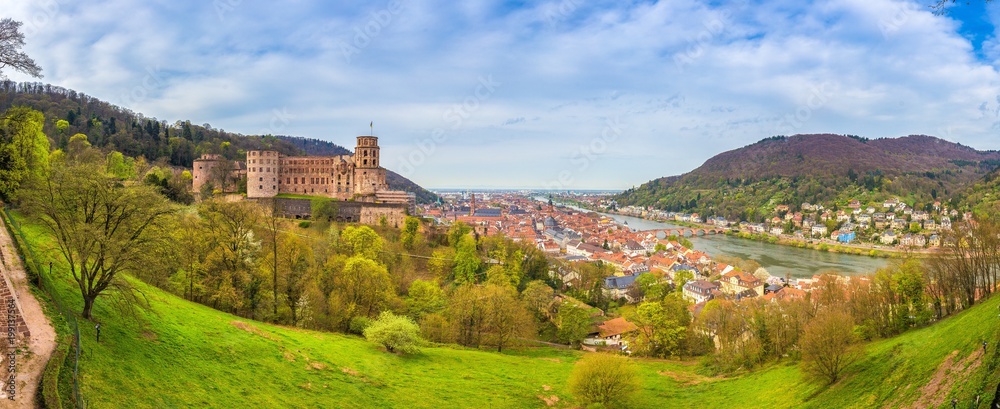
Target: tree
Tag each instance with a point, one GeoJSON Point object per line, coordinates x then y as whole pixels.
{"type": "Point", "coordinates": [505, 316]}
{"type": "Point", "coordinates": [538, 297]}
{"type": "Point", "coordinates": [24, 149]}
{"type": "Point", "coordinates": [11, 40]}
{"type": "Point", "coordinates": [604, 379]}
{"type": "Point", "coordinates": [409, 236]}
{"type": "Point", "coordinates": [232, 261]}
{"type": "Point", "coordinates": [828, 345]}
{"type": "Point", "coordinates": [363, 287]}
{"type": "Point", "coordinates": [298, 264]}
{"type": "Point", "coordinates": [467, 261]}
{"type": "Point", "coordinates": [661, 327]}
{"type": "Point", "coordinates": [424, 297]}
{"type": "Point", "coordinates": [102, 227]}
{"type": "Point", "coordinates": [323, 209]}
{"type": "Point", "coordinates": [394, 332]}
{"type": "Point", "coordinates": [573, 323]}
{"type": "Point", "coordinates": [362, 241]}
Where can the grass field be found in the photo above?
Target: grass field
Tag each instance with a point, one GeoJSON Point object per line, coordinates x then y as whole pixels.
{"type": "Point", "coordinates": [182, 354]}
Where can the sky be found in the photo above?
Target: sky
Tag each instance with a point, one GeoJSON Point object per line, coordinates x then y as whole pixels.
{"type": "Point", "coordinates": [565, 94]}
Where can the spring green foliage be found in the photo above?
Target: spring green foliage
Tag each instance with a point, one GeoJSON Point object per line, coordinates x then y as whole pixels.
{"type": "Point", "coordinates": [662, 327]}
{"type": "Point", "coordinates": [573, 323]}
{"type": "Point", "coordinates": [425, 297]}
{"type": "Point", "coordinates": [323, 209]}
{"type": "Point", "coordinates": [120, 166]}
{"type": "Point", "coordinates": [24, 149]}
{"type": "Point", "coordinates": [605, 379]}
{"type": "Point", "coordinates": [184, 354]}
{"type": "Point", "coordinates": [362, 241]}
{"type": "Point", "coordinates": [409, 235]}
{"type": "Point", "coordinates": [397, 333]}
{"type": "Point", "coordinates": [467, 262]}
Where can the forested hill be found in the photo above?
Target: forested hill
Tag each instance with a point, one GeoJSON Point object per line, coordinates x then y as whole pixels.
{"type": "Point", "coordinates": [68, 112]}
{"type": "Point", "coordinates": [828, 169]}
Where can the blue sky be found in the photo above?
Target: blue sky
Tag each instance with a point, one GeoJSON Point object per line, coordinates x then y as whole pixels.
{"type": "Point", "coordinates": [566, 94]}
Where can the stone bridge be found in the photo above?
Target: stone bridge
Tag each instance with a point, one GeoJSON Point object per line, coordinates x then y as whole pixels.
{"type": "Point", "coordinates": [686, 232]}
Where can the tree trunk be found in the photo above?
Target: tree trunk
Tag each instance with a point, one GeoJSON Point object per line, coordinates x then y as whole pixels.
{"type": "Point", "coordinates": [88, 305]}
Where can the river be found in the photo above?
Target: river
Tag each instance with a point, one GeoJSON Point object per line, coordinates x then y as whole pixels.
{"type": "Point", "coordinates": [777, 259]}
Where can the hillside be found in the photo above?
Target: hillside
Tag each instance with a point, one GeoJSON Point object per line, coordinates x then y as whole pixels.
{"type": "Point", "coordinates": [176, 144]}
{"type": "Point", "coordinates": [829, 169]}
{"type": "Point", "coordinates": [182, 354]}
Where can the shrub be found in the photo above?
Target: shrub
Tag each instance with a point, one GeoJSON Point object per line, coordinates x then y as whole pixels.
{"type": "Point", "coordinates": [394, 332]}
{"type": "Point", "coordinates": [305, 224]}
{"type": "Point", "coordinates": [604, 379]}
{"type": "Point", "coordinates": [358, 324]}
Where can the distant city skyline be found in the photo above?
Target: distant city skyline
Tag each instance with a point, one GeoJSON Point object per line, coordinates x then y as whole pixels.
{"type": "Point", "coordinates": [565, 94]}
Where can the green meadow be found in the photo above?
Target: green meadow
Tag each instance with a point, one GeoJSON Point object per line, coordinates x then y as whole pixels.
{"type": "Point", "coordinates": [182, 354]}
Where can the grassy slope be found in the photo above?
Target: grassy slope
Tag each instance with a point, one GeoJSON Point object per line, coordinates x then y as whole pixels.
{"type": "Point", "coordinates": [188, 355]}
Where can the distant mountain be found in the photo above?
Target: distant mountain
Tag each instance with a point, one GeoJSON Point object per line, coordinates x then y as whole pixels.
{"type": "Point", "coordinates": [749, 182]}
{"type": "Point", "coordinates": [176, 144]}
{"type": "Point", "coordinates": [324, 148]}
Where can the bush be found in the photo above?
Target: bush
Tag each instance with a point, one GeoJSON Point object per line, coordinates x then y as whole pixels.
{"type": "Point", "coordinates": [604, 379]}
{"type": "Point", "coordinates": [358, 325]}
{"type": "Point", "coordinates": [305, 224]}
{"type": "Point", "coordinates": [394, 332]}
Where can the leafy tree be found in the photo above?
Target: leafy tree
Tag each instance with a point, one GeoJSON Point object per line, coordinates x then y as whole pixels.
{"type": "Point", "coordinates": [506, 317]}
{"type": "Point", "coordinates": [538, 296]}
{"type": "Point", "coordinates": [120, 166]}
{"type": "Point", "coordinates": [661, 327]}
{"type": "Point", "coordinates": [456, 232]}
{"type": "Point", "coordinates": [102, 228]}
{"type": "Point", "coordinates": [828, 345]}
{"type": "Point", "coordinates": [364, 287]}
{"type": "Point", "coordinates": [467, 261]}
{"type": "Point", "coordinates": [297, 267]}
{"type": "Point", "coordinates": [24, 149]}
{"type": "Point", "coordinates": [362, 241]}
{"type": "Point", "coordinates": [573, 323]}
{"type": "Point", "coordinates": [395, 333]}
{"type": "Point", "coordinates": [442, 262]}
{"type": "Point", "coordinates": [425, 297]}
{"type": "Point", "coordinates": [323, 209]}
{"type": "Point", "coordinates": [605, 379]}
{"type": "Point", "coordinates": [11, 41]}
{"type": "Point", "coordinates": [408, 237]}
{"type": "Point", "coordinates": [232, 261]}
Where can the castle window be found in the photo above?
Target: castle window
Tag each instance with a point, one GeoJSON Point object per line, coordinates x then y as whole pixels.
{"type": "Point", "coordinates": [366, 161]}
{"type": "Point", "coordinates": [261, 180]}
{"type": "Point", "coordinates": [261, 187]}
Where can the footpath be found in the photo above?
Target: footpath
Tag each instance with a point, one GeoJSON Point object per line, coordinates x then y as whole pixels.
{"type": "Point", "coordinates": [29, 338]}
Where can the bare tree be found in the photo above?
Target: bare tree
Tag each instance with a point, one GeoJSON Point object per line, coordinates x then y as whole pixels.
{"type": "Point", "coordinates": [11, 41]}
{"type": "Point", "coordinates": [828, 345]}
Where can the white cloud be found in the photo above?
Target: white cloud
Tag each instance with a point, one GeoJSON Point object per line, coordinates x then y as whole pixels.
{"type": "Point", "coordinates": [688, 80]}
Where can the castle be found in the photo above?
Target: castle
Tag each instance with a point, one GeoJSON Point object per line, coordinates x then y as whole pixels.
{"type": "Point", "coordinates": [358, 178]}
{"type": "Point", "coordinates": [343, 177]}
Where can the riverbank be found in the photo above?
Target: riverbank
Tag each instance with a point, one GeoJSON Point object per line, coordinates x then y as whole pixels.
{"type": "Point", "coordinates": [823, 245]}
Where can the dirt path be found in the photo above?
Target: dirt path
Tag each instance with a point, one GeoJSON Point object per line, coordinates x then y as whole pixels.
{"type": "Point", "coordinates": [42, 342]}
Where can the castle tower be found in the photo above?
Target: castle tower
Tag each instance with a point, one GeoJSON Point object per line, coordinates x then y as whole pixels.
{"type": "Point", "coordinates": [262, 174]}
{"type": "Point", "coordinates": [369, 177]}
